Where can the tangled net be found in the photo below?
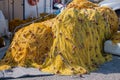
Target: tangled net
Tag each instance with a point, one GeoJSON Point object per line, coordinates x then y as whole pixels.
{"type": "Point", "coordinates": [116, 38]}
{"type": "Point", "coordinates": [16, 22]}
{"type": "Point", "coordinates": [71, 43]}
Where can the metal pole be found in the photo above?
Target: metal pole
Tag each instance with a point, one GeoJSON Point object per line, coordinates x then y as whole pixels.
{"type": "Point", "coordinates": [50, 6]}
{"type": "Point", "coordinates": [23, 9]}
{"type": "Point", "coordinates": [44, 6]}
{"type": "Point", "coordinates": [9, 11]}
{"type": "Point", "coordinates": [37, 9]}
{"type": "Point", "coordinates": [12, 9]}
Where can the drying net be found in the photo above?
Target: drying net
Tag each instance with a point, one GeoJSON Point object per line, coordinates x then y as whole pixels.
{"type": "Point", "coordinates": [16, 22]}
{"type": "Point", "coordinates": [116, 38]}
{"type": "Point", "coordinates": [71, 43]}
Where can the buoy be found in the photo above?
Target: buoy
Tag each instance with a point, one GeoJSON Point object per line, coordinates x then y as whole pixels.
{"type": "Point", "coordinates": [33, 2]}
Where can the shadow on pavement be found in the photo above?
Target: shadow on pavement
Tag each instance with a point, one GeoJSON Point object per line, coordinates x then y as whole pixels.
{"type": "Point", "coordinates": [110, 67]}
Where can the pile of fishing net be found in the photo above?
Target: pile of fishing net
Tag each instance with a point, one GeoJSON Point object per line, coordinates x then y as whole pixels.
{"type": "Point", "coordinates": [71, 43]}
{"type": "Point", "coordinates": [116, 38]}
{"type": "Point", "coordinates": [16, 22]}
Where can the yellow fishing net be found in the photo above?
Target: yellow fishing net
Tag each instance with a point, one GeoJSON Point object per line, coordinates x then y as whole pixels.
{"type": "Point", "coordinates": [116, 38]}
{"type": "Point", "coordinates": [16, 22]}
{"type": "Point", "coordinates": [29, 44]}
{"type": "Point", "coordinates": [71, 43]}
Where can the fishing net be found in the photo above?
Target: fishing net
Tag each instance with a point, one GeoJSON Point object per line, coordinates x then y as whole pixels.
{"type": "Point", "coordinates": [71, 43]}
{"type": "Point", "coordinates": [17, 22]}
{"type": "Point", "coordinates": [116, 38]}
